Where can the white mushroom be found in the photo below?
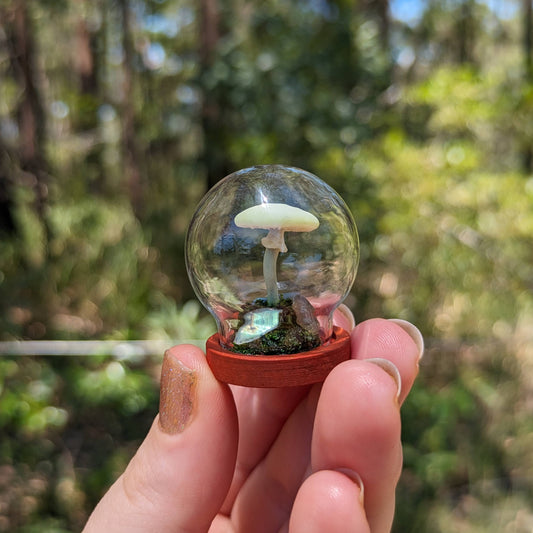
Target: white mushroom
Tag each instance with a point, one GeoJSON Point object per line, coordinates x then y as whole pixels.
{"type": "Point", "coordinates": [277, 219]}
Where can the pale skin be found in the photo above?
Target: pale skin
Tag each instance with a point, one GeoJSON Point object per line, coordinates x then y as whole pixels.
{"type": "Point", "coordinates": [277, 460]}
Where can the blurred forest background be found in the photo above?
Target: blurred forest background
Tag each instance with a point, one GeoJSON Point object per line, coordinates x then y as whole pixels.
{"type": "Point", "coordinates": [117, 115]}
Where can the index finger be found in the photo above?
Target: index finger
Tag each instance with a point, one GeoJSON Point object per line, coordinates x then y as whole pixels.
{"type": "Point", "coordinates": [397, 341]}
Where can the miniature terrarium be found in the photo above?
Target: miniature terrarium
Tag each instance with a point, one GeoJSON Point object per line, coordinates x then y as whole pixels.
{"type": "Point", "coordinates": [271, 252]}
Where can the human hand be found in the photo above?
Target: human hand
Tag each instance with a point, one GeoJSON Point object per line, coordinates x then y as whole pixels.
{"type": "Point", "coordinates": [222, 458]}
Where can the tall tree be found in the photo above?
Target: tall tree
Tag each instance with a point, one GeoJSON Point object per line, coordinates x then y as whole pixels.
{"type": "Point", "coordinates": [381, 9]}
{"type": "Point", "coordinates": [7, 205]}
{"type": "Point", "coordinates": [89, 61]}
{"type": "Point", "coordinates": [84, 59]}
{"type": "Point", "coordinates": [20, 36]}
{"type": "Point", "coordinates": [466, 27]}
{"type": "Point", "coordinates": [528, 38]}
{"type": "Point", "coordinates": [213, 156]}
{"type": "Point", "coordinates": [528, 69]}
{"type": "Point", "coordinates": [130, 148]}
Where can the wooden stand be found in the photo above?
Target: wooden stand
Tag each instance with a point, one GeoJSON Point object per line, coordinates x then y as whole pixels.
{"type": "Point", "coordinates": [278, 370]}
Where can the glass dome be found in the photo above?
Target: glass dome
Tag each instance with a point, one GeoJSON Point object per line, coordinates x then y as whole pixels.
{"type": "Point", "coordinates": [271, 251]}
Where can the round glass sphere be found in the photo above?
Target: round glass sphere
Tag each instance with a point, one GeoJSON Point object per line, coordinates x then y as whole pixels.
{"type": "Point", "coordinates": [271, 252]}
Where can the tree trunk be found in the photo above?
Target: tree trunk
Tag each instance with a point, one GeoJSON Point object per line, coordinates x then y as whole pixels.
{"type": "Point", "coordinates": [466, 32]}
{"type": "Point", "coordinates": [7, 204]}
{"type": "Point", "coordinates": [130, 149]}
{"type": "Point", "coordinates": [88, 60]}
{"type": "Point", "coordinates": [528, 39]}
{"type": "Point", "coordinates": [213, 157]}
{"type": "Point", "coordinates": [84, 59]}
{"type": "Point", "coordinates": [30, 111]}
{"type": "Point", "coordinates": [528, 71]}
{"type": "Point", "coordinates": [382, 10]}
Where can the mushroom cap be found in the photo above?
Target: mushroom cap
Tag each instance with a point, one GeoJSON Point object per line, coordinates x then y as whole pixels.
{"type": "Point", "coordinates": [276, 216]}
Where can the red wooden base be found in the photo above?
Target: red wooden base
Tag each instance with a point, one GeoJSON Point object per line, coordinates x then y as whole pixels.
{"type": "Point", "coordinates": [278, 370]}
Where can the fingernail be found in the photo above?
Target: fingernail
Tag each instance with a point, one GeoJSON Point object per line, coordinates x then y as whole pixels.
{"type": "Point", "coordinates": [178, 391]}
{"type": "Point", "coordinates": [356, 478]}
{"type": "Point", "coordinates": [391, 369]}
{"type": "Point", "coordinates": [413, 332]}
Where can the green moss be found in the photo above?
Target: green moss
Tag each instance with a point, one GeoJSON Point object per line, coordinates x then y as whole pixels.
{"type": "Point", "coordinates": [298, 329]}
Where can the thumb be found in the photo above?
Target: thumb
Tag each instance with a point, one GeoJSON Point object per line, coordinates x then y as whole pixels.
{"type": "Point", "coordinates": [180, 475]}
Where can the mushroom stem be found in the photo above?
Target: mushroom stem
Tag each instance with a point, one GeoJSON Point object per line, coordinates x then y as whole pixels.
{"type": "Point", "coordinates": [269, 271]}
{"type": "Point", "coordinates": [275, 239]}
{"type": "Point", "coordinates": [277, 219]}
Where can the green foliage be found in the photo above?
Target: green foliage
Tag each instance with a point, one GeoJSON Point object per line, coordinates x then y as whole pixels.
{"type": "Point", "coordinates": [186, 323]}
{"type": "Point", "coordinates": [454, 245]}
{"type": "Point", "coordinates": [98, 268]}
{"type": "Point", "coordinates": [61, 419]}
